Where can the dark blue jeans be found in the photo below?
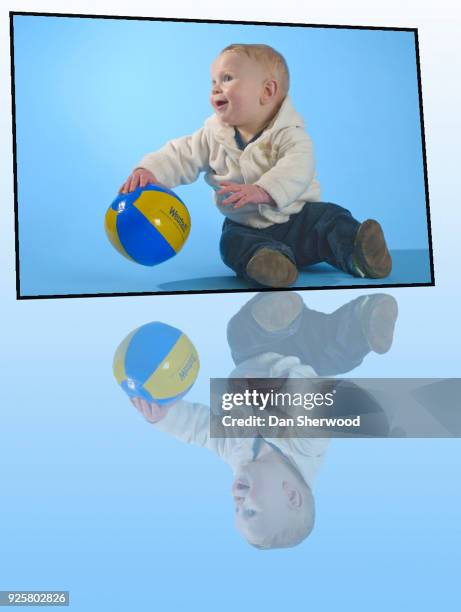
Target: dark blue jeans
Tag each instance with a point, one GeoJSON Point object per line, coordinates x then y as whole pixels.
{"type": "Point", "coordinates": [321, 231]}
{"type": "Point", "coordinates": [330, 343]}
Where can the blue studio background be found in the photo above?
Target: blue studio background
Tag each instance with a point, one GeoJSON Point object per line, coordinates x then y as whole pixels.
{"type": "Point", "coordinates": [93, 498]}
{"type": "Point", "coordinates": [94, 95]}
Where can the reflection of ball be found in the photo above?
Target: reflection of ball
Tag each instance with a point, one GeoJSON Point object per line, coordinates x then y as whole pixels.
{"type": "Point", "coordinates": [156, 362]}
{"type": "Point", "coordinates": [148, 225]}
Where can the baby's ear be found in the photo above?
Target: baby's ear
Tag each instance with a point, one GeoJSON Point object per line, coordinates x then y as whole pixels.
{"type": "Point", "coordinates": [294, 495]}
{"type": "Point", "coordinates": [270, 91]}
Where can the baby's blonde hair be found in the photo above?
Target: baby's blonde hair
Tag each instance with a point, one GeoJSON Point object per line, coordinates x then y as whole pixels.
{"type": "Point", "coordinates": [272, 61]}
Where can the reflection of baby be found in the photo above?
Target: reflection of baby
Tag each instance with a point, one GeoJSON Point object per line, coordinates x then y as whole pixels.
{"type": "Point", "coordinates": [275, 336]}
{"type": "Point", "coordinates": [259, 160]}
{"type": "Point", "coordinates": [274, 505]}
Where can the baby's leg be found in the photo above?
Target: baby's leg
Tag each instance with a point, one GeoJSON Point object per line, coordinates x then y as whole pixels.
{"type": "Point", "coordinates": [255, 255]}
{"type": "Point", "coordinates": [338, 342]}
{"type": "Point", "coordinates": [323, 231]}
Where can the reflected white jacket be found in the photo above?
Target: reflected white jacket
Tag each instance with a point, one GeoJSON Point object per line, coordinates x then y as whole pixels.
{"type": "Point", "coordinates": [190, 423]}
{"type": "Point", "coordinates": [281, 161]}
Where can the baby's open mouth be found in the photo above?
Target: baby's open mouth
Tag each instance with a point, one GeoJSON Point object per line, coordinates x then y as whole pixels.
{"type": "Point", "coordinates": [220, 103]}
{"type": "Point", "coordinates": [240, 487]}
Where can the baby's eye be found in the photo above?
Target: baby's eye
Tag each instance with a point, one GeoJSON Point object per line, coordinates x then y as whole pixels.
{"type": "Point", "coordinates": [227, 77]}
{"type": "Point", "coordinates": [249, 513]}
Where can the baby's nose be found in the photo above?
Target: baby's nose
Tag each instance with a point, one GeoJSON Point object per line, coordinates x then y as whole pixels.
{"type": "Point", "coordinates": [216, 88]}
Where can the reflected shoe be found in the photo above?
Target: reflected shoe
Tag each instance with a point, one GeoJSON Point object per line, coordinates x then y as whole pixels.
{"type": "Point", "coordinates": [371, 257]}
{"type": "Point", "coordinates": [276, 311]}
{"type": "Point", "coordinates": [378, 315]}
{"type": "Point", "coordinates": [271, 268]}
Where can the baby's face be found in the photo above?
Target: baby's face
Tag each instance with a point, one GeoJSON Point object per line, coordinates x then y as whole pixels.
{"type": "Point", "coordinates": [237, 88]}
{"type": "Point", "coordinates": [261, 492]}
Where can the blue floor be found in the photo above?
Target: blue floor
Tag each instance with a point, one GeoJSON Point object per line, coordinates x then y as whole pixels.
{"type": "Point", "coordinates": [409, 267]}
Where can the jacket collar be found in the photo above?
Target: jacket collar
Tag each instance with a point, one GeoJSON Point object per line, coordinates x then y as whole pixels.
{"type": "Point", "coordinates": [287, 116]}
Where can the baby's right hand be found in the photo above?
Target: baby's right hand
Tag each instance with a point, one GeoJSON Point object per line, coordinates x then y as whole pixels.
{"type": "Point", "coordinates": [152, 412]}
{"type": "Point", "coordinates": [138, 178]}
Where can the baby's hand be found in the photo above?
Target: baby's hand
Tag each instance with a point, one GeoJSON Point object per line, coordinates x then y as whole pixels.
{"type": "Point", "coordinates": [152, 412]}
{"type": "Point", "coordinates": [138, 178]}
{"type": "Point", "coordinates": [244, 194]}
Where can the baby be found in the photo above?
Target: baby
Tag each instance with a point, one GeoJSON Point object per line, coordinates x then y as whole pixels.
{"type": "Point", "coordinates": [259, 160]}
{"type": "Point", "coordinates": [273, 500]}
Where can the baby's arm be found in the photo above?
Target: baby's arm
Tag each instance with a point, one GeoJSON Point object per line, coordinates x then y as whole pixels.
{"type": "Point", "coordinates": [152, 412]}
{"type": "Point", "coordinates": [244, 194]}
{"type": "Point", "coordinates": [294, 169]}
{"type": "Point", "coordinates": [186, 421]}
{"type": "Point", "coordinates": [140, 177]}
{"type": "Point", "coordinates": [288, 178]}
{"type": "Point", "coordinates": [179, 162]}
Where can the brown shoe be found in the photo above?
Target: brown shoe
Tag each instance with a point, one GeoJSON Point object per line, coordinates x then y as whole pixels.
{"type": "Point", "coordinates": [378, 316]}
{"type": "Point", "coordinates": [271, 269]}
{"type": "Point", "coordinates": [276, 311]}
{"type": "Point", "coordinates": [371, 257]}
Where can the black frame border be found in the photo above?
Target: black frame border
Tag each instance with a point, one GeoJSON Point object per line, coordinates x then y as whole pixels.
{"type": "Point", "coordinates": [12, 14]}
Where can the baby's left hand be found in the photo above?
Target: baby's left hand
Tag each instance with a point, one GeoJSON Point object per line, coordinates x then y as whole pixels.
{"type": "Point", "coordinates": [244, 194]}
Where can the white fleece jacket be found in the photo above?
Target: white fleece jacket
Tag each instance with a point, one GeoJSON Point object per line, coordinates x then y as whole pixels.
{"type": "Point", "coordinates": [281, 161]}
{"type": "Point", "coordinates": [190, 422]}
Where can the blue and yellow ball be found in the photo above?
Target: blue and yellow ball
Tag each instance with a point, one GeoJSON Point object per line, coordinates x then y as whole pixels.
{"type": "Point", "coordinates": [156, 362]}
{"type": "Point", "coordinates": [148, 225]}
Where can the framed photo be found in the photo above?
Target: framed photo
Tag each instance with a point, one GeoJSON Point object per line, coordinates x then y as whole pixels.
{"type": "Point", "coordinates": [93, 95]}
